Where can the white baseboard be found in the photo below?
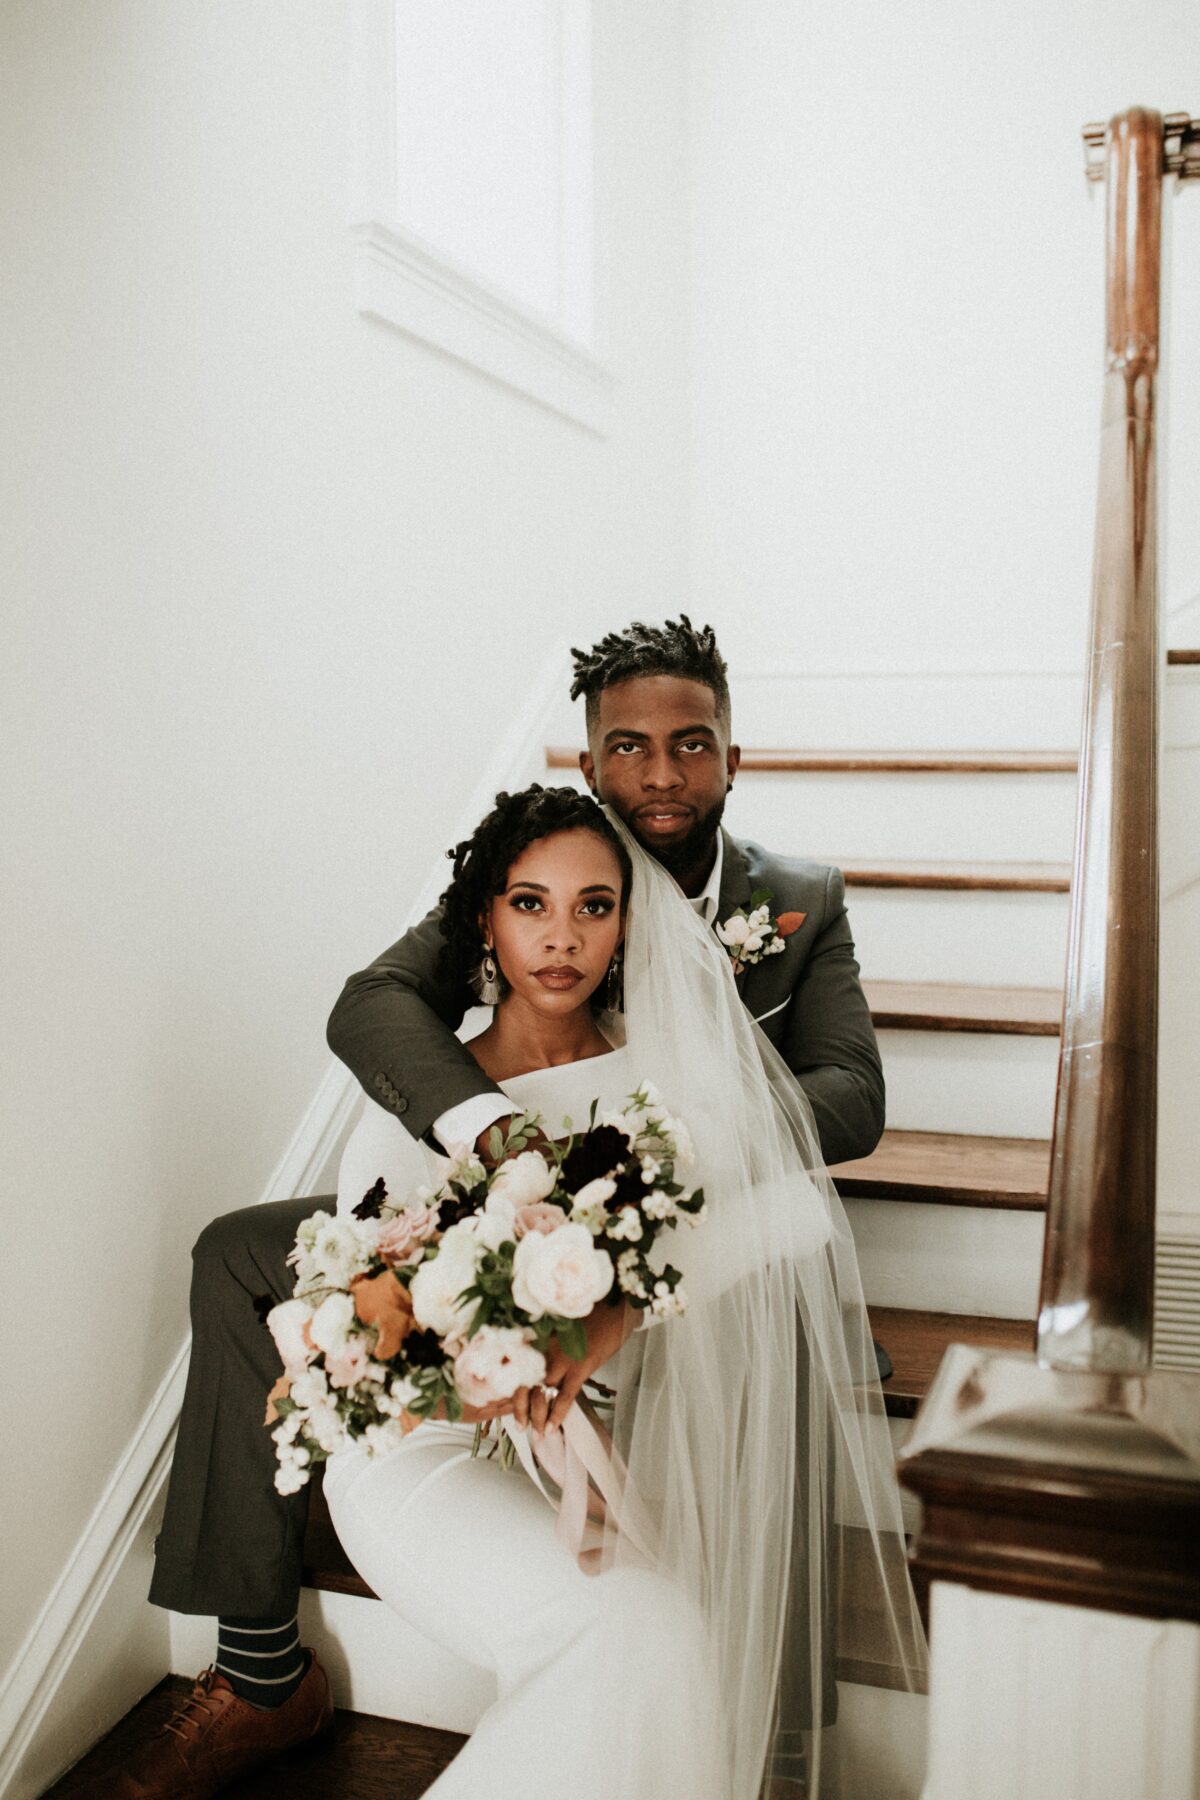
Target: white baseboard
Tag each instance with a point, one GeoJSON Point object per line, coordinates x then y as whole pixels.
{"type": "Point", "coordinates": [40, 1736]}
{"type": "Point", "coordinates": [60, 1692]}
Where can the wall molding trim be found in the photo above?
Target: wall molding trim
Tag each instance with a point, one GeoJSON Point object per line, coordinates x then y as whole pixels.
{"type": "Point", "coordinates": [406, 283]}
{"type": "Point", "coordinates": [43, 1661]}
{"type": "Point", "coordinates": [40, 1665]}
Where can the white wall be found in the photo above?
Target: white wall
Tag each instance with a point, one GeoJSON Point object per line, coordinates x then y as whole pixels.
{"type": "Point", "coordinates": [898, 317]}
{"type": "Point", "coordinates": [275, 577]}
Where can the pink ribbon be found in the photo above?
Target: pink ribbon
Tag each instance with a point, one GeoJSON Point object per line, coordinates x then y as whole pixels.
{"type": "Point", "coordinates": [596, 1497]}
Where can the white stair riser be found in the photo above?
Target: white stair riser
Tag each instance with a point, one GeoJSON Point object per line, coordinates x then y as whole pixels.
{"type": "Point", "coordinates": [998, 939]}
{"type": "Point", "coordinates": [969, 1259]}
{"type": "Point", "coordinates": [994, 1085]}
{"type": "Point", "coordinates": [905, 817]}
{"type": "Point", "coordinates": [946, 818]}
{"type": "Point", "coordinates": [906, 711]}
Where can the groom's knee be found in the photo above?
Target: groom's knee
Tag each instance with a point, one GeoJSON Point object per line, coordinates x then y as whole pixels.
{"type": "Point", "coordinates": [250, 1247]}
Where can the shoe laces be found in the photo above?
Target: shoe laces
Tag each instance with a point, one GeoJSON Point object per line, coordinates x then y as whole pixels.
{"type": "Point", "coordinates": [200, 1705]}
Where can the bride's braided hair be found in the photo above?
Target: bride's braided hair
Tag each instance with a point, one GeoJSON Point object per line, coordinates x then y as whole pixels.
{"type": "Point", "coordinates": [482, 861]}
{"type": "Point", "coordinates": [675, 648]}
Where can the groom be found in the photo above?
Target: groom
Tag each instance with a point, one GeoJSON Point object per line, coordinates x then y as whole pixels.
{"type": "Point", "coordinates": [660, 754]}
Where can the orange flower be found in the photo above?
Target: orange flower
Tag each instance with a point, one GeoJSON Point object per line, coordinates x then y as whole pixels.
{"type": "Point", "coordinates": [786, 923]}
{"type": "Point", "coordinates": [280, 1391]}
{"type": "Point", "coordinates": [383, 1301]}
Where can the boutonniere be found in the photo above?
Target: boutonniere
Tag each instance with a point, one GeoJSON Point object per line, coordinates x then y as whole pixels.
{"type": "Point", "coordinates": [751, 936]}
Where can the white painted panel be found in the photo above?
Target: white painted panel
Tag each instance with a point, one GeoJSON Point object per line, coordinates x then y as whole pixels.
{"type": "Point", "coordinates": [1029, 1699]}
{"type": "Point", "coordinates": [942, 817]}
{"type": "Point", "coordinates": [996, 1085]}
{"type": "Point", "coordinates": [879, 1744]}
{"type": "Point", "coordinates": [968, 1259]}
{"type": "Point", "coordinates": [907, 934]}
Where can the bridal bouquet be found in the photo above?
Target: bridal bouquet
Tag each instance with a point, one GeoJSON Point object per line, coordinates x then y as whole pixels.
{"type": "Point", "coordinates": [450, 1298]}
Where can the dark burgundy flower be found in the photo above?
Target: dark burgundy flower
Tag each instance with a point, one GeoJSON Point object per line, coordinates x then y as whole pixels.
{"type": "Point", "coordinates": [598, 1153]}
{"type": "Point", "coordinates": [371, 1204]}
{"type": "Point", "coordinates": [423, 1350]}
{"type": "Point", "coordinates": [460, 1206]}
{"type": "Point", "coordinates": [630, 1189]}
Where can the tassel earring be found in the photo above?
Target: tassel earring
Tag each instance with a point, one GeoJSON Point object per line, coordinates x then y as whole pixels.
{"type": "Point", "coordinates": [487, 980]}
{"type": "Point", "coordinates": [614, 986]}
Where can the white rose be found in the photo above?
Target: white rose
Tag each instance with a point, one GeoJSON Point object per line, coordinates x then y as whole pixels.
{"type": "Point", "coordinates": [522, 1180]}
{"type": "Point", "coordinates": [734, 932]}
{"type": "Point", "coordinates": [497, 1361]}
{"type": "Point", "coordinates": [562, 1273]}
{"type": "Point", "coordinates": [331, 1323]}
{"type": "Point", "coordinates": [309, 1389]}
{"type": "Point", "coordinates": [494, 1225]}
{"type": "Point", "coordinates": [752, 944]}
{"type": "Point", "coordinates": [437, 1285]}
{"type": "Point", "coordinates": [594, 1193]}
{"type": "Point", "coordinates": [286, 1324]}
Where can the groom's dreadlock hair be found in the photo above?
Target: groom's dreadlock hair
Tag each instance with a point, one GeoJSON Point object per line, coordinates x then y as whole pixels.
{"type": "Point", "coordinates": [482, 862]}
{"type": "Point", "coordinates": [676, 648]}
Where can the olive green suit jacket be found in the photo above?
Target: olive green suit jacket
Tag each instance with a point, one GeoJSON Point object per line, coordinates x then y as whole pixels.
{"type": "Point", "coordinates": [394, 1022]}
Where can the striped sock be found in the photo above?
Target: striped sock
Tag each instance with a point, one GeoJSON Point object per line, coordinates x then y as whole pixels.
{"type": "Point", "coordinates": [261, 1658]}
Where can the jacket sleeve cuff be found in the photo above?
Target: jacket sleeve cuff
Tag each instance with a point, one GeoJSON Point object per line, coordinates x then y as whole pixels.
{"type": "Point", "coordinates": [462, 1124]}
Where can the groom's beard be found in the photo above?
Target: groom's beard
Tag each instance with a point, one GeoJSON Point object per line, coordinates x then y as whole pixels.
{"type": "Point", "coordinates": [687, 855]}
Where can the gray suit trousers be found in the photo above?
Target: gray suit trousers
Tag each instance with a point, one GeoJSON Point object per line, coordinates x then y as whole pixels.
{"type": "Point", "coordinates": [229, 1543]}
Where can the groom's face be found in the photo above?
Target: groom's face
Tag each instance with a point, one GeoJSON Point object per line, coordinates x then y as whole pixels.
{"type": "Point", "coordinates": [660, 757]}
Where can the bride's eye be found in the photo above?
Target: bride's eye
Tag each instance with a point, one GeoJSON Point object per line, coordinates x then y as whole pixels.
{"type": "Point", "coordinates": [597, 909]}
{"type": "Point", "coordinates": [524, 902]}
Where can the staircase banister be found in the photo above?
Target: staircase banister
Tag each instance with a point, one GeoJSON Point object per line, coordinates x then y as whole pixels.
{"type": "Point", "coordinates": [1096, 1303]}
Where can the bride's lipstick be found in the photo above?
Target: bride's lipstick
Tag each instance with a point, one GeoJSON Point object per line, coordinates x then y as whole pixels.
{"type": "Point", "coordinates": [560, 979]}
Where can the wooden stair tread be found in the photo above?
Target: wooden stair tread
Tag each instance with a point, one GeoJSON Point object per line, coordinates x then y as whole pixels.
{"type": "Point", "coordinates": [996, 877]}
{"type": "Point", "coordinates": [917, 1341]}
{"type": "Point", "coordinates": [947, 1006]}
{"type": "Point", "coordinates": [1177, 657]}
{"type": "Point", "coordinates": [364, 1758]}
{"type": "Point", "coordinates": [881, 762]}
{"type": "Point", "coordinates": [950, 1169]}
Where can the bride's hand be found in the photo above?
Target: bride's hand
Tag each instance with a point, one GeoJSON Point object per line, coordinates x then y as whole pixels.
{"type": "Point", "coordinates": [606, 1329]}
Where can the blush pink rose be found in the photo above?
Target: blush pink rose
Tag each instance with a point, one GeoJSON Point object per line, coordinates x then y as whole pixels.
{"type": "Point", "coordinates": [403, 1238]}
{"type": "Point", "coordinates": [348, 1365]}
{"type": "Point", "coordinates": [539, 1216]}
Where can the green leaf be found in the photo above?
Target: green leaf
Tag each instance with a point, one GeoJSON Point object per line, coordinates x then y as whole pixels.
{"type": "Point", "coordinates": [572, 1338]}
{"type": "Point", "coordinates": [495, 1144]}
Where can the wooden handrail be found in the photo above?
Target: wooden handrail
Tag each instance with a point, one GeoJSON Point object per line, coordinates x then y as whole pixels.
{"type": "Point", "coordinates": [1096, 1305]}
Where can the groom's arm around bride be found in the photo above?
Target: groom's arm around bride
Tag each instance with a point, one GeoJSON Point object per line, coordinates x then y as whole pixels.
{"type": "Point", "coordinates": [394, 1022]}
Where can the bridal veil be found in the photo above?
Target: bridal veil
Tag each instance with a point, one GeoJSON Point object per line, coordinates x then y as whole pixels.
{"type": "Point", "coordinates": [752, 1428]}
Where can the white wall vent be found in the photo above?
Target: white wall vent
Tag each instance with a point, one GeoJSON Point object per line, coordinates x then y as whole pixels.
{"type": "Point", "coordinates": [1177, 1303]}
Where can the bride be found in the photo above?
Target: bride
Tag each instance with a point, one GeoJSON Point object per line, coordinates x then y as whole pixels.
{"type": "Point", "coordinates": [703, 1659]}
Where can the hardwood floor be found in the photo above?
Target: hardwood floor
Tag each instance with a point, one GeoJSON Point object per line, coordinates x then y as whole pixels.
{"type": "Point", "coordinates": [364, 1758]}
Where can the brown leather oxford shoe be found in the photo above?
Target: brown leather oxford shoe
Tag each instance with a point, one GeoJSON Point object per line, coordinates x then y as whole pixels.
{"type": "Point", "coordinates": [215, 1737]}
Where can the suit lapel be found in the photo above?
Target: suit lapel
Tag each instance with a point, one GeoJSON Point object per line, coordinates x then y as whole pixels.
{"type": "Point", "coordinates": [736, 888]}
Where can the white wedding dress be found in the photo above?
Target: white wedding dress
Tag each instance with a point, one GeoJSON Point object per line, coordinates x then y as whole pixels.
{"type": "Point", "coordinates": [764, 1530]}
{"type": "Point", "coordinates": [604, 1684]}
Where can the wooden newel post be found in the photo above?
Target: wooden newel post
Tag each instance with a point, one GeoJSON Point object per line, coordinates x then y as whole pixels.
{"type": "Point", "coordinates": [1060, 1492]}
{"type": "Point", "coordinates": [1096, 1304]}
